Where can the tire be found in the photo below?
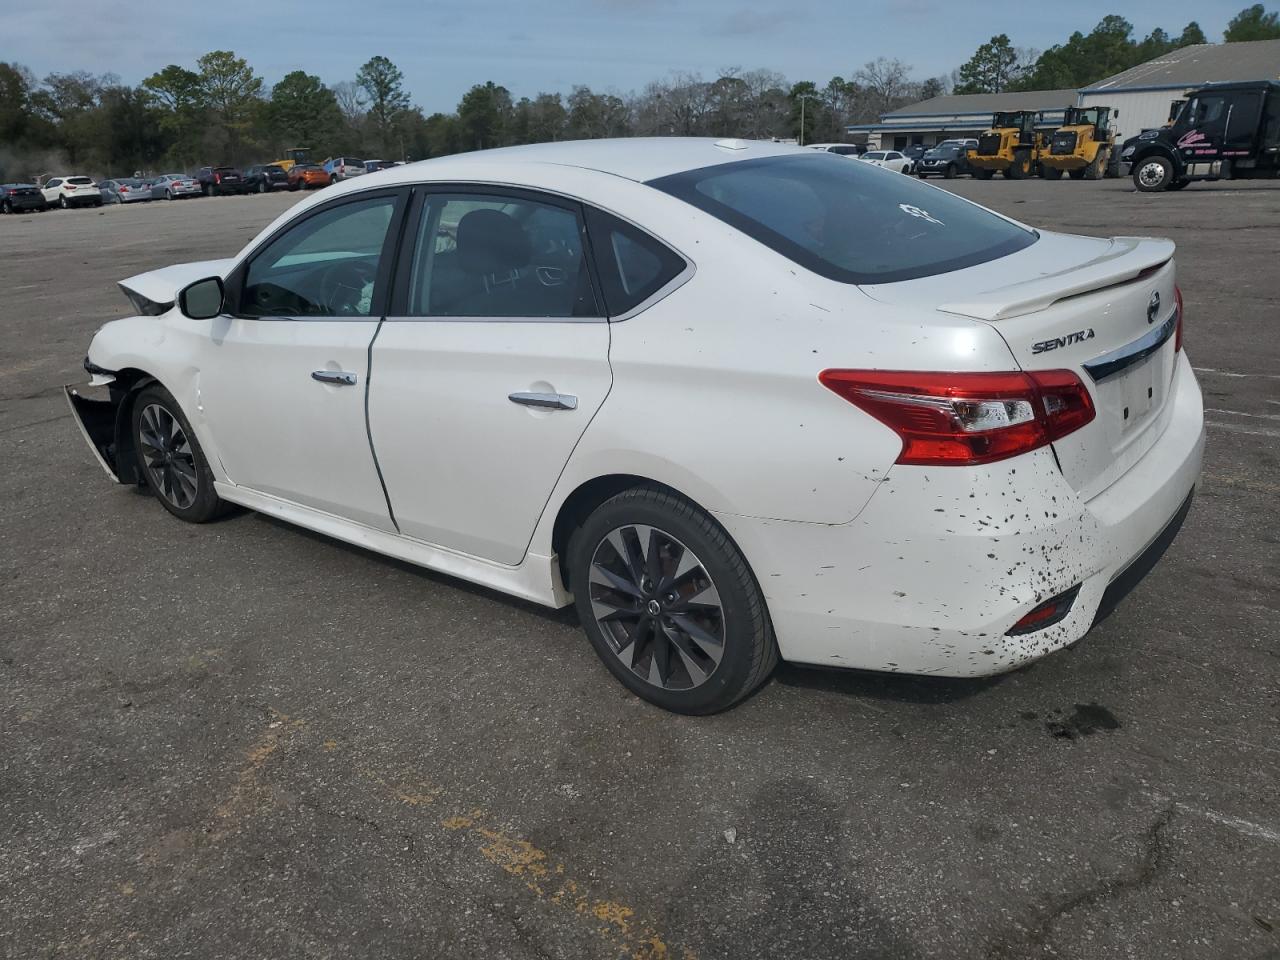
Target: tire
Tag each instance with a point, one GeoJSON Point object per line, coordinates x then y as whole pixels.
{"type": "Point", "coordinates": [735, 650]}
{"type": "Point", "coordinates": [170, 460]}
{"type": "Point", "coordinates": [8, 206]}
{"type": "Point", "coordinates": [333, 178]}
{"type": "Point", "coordinates": [982, 173]}
{"type": "Point", "coordinates": [1153, 174]}
{"type": "Point", "coordinates": [1020, 169]}
{"type": "Point", "coordinates": [1050, 173]}
{"type": "Point", "coordinates": [262, 186]}
{"type": "Point", "coordinates": [168, 194]}
{"type": "Point", "coordinates": [1097, 167]}
{"type": "Point", "coordinates": [922, 175]}
{"type": "Point", "coordinates": [951, 171]}
{"type": "Point", "coordinates": [1076, 174]}
{"type": "Point", "coordinates": [62, 202]}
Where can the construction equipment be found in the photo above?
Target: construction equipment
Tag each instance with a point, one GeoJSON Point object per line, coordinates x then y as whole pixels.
{"type": "Point", "coordinates": [1012, 146]}
{"type": "Point", "coordinates": [293, 155]}
{"type": "Point", "coordinates": [1083, 147]}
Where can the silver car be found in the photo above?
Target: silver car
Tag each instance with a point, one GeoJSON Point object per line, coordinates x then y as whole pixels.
{"type": "Point", "coordinates": [171, 186]}
{"type": "Point", "coordinates": [125, 190]}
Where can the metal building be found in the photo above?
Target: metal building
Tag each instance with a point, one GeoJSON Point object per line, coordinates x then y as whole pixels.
{"type": "Point", "coordinates": [1141, 96]}
{"type": "Point", "coordinates": [957, 115]}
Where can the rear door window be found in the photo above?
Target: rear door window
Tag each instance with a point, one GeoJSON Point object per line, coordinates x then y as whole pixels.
{"type": "Point", "coordinates": [633, 265]}
{"type": "Point", "coordinates": [846, 221]}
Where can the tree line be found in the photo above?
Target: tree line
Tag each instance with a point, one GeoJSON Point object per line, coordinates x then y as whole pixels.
{"type": "Point", "coordinates": [222, 111]}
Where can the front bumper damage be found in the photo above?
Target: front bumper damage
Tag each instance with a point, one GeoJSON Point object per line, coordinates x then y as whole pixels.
{"type": "Point", "coordinates": [99, 421]}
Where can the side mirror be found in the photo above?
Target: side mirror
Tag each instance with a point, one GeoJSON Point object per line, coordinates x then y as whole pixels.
{"type": "Point", "coordinates": [201, 300]}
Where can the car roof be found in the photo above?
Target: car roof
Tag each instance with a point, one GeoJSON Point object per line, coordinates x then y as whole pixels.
{"type": "Point", "coordinates": [634, 158]}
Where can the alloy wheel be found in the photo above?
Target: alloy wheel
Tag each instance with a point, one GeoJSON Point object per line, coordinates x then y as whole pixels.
{"type": "Point", "coordinates": [1151, 173]}
{"type": "Point", "coordinates": [167, 453]}
{"type": "Point", "coordinates": [657, 607]}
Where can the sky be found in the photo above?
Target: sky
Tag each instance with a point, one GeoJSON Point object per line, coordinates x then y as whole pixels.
{"type": "Point", "coordinates": [529, 47]}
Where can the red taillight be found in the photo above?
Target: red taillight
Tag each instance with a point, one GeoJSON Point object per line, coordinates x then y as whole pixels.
{"type": "Point", "coordinates": [1054, 610]}
{"type": "Point", "coordinates": [960, 419]}
{"type": "Point", "coordinates": [217, 178]}
{"type": "Point", "coordinates": [1177, 333]}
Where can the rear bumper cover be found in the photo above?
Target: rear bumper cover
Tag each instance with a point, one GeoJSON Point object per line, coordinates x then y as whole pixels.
{"type": "Point", "coordinates": [931, 576]}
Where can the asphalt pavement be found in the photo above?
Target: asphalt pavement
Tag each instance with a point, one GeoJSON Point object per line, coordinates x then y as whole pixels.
{"type": "Point", "coordinates": [246, 740]}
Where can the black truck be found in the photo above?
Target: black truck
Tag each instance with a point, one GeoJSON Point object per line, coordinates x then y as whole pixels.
{"type": "Point", "coordinates": [1224, 131]}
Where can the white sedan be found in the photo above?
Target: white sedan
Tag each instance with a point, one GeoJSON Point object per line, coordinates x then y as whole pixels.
{"type": "Point", "coordinates": [735, 401]}
{"type": "Point", "coordinates": [889, 159]}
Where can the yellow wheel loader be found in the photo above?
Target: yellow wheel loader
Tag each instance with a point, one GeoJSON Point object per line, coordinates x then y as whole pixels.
{"type": "Point", "coordinates": [293, 155]}
{"type": "Point", "coordinates": [1084, 147]}
{"type": "Point", "coordinates": [1012, 146]}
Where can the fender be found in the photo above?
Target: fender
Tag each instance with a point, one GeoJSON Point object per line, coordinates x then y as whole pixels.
{"type": "Point", "coordinates": [1152, 148]}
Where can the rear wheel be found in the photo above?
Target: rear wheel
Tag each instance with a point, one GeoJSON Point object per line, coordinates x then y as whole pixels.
{"type": "Point", "coordinates": [8, 206]}
{"type": "Point", "coordinates": [669, 604]}
{"type": "Point", "coordinates": [1097, 167]}
{"type": "Point", "coordinates": [170, 459]}
{"type": "Point", "coordinates": [262, 186]}
{"type": "Point", "coordinates": [1153, 174]}
{"type": "Point", "coordinates": [62, 202]}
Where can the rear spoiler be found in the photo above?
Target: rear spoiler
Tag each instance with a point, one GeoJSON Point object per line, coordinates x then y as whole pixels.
{"type": "Point", "coordinates": [1126, 259]}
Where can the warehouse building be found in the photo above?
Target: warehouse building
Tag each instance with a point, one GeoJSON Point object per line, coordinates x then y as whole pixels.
{"type": "Point", "coordinates": [957, 115]}
{"type": "Point", "coordinates": [1141, 96]}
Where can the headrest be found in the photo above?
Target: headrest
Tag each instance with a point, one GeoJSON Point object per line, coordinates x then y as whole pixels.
{"type": "Point", "coordinates": [490, 241]}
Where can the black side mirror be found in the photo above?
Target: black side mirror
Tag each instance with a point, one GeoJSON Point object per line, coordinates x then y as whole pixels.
{"type": "Point", "coordinates": [201, 300]}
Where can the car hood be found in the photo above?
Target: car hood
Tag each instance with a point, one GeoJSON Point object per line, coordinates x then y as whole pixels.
{"type": "Point", "coordinates": [155, 291]}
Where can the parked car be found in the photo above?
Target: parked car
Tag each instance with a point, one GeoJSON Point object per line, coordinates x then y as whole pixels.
{"type": "Point", "coordinates": [174, 186]}
{"type": "Point", "coordinates": [20, 197]}
{"type": "Point", "coordinates": [304, 176]}
{"type": "Point", "coordinates": [67, 192]}
{"type": "Point", "coordinates": [913, 153]}
{"type": "Point", "coordinates": [343, 168]}
{"type": "Point", "coordinates": [948, 159]}
{"type": "Point", "coordinates": [125, 190]}
{"type": "Point", "coordinates": [217, 181]}
{"type": "Point", "coordinates": [265, 177]}
{"type": "Point", "coordinates": [954, 492]}
{"type": "Point", "coordinates": [841, 149]}
{"type": "Point", "coordinates": [373, 166]}
{"type": "Point", "coordinates": [889, 159]}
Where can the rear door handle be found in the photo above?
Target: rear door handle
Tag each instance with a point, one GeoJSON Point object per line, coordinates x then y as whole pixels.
{"type": "Point", "coordinates": [548, 401]}
{"type": "Point", "coordinates": [337, 377]}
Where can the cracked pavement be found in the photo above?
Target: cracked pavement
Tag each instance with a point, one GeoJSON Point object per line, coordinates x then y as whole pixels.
{"type": "Point", "coordinates": [245, 740]}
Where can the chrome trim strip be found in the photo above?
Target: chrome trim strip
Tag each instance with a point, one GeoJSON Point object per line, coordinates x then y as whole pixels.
{"type": "Point", "coordinates": [1109, 364]}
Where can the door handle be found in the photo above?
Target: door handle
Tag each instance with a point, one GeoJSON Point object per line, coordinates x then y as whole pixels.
{"type": "Point", "coordinates": [337, 377]}
{"type": "Point", "coordinates": [548, 401]}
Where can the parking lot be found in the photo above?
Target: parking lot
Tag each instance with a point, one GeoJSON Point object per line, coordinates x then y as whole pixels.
{"type": "Point", "coordinates": [243, 739]}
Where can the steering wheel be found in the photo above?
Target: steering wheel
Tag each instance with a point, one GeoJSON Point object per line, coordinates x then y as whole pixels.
{"type": "Point", "coordinates": [343, 285]}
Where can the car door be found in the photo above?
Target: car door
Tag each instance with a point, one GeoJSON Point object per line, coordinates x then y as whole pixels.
{"type": "Point", "coordinates": [491, 364]}
{"type": "Point", "coordinates": [282, 379]}
{"type": "Point", "coordinates": [50, 190]}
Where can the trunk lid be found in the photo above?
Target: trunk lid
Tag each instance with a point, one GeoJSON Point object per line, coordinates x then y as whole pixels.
{"type": "Point", "coordinates": [1103, 309]}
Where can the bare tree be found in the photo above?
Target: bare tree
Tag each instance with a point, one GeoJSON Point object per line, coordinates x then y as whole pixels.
{"type": "Point", "coordinates": [887, 83]}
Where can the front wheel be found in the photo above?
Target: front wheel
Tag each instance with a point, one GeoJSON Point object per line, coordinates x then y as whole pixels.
{"type": "Point", "coordinates": [1152, 174]}
{"type": "Point", "coordinates": [951, 171]}
{"type": "Point", "coordinates": [669, 604]}
{"type": "Point", "coordinates": [170, 460]}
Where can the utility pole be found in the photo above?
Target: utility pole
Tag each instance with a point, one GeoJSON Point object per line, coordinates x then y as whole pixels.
{"type": "Point", "coordinates": [802, 97]}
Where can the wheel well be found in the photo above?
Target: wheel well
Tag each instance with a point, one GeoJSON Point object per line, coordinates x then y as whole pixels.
{"type": "Point", "coordinates": [128, 382]}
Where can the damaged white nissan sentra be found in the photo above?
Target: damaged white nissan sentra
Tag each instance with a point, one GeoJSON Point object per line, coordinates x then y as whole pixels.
{"type": "Point", "coordinates": [736, 401]}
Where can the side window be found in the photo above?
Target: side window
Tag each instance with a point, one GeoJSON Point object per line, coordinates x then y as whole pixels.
{"type": "Point", "coordinates": [495, 256]}
{"type": "Point", "coordinates": [55, 182]}
{"type": "Point", "coordinates": [325, 266]}
{"type": "Point", "coordinates": [1209, 115]}
{"type": "Point", "coordinates": [633, 265]}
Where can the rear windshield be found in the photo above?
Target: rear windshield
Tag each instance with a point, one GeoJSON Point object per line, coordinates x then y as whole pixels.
{"type": "Point", "coordinates": [852, 222]}
{"type": "Point", "coordinates": [78, 180]}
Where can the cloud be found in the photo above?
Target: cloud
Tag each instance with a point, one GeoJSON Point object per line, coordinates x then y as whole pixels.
{"type": "Point", "coordinates": [750, 22]}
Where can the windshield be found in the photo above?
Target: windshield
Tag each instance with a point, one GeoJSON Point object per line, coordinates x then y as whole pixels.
{"type": "Point", "coordinates": [848, 221]}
